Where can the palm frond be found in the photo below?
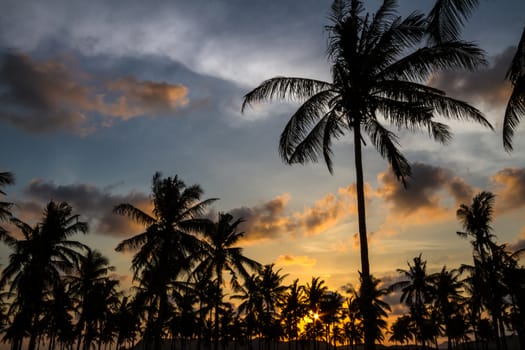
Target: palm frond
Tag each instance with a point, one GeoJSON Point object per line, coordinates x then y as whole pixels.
{"type": "Point", "coordinates": [517, 67]}
{"type": "Point", "coordinates": [312, 145]}
{"type": "Point", "coordinates": [136, 214]}
{"type": "Point", "coordinates": [446, 19]}
{"type": "Point", "coordinates": [386, 143]}
{"type": "Point", "coordinates": [514, 112]}
{"type": "Point", "coordinates": [419, 65]}
{"type": "Point", "coordinates": [309, 113]}
{"type": "Point", "coordinates": [284, 88]}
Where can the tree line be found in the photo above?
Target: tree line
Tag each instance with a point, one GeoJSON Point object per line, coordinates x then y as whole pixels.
{"type": "Point", "coordinates": [193, 287]}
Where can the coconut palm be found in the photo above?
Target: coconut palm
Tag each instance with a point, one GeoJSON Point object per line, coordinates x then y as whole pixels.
{"type": "Point", "coordinates": [516, 105]}
{"type": "Point", "coordinates": [38, 262]}
{"type": "Point", "coordinates": [378, 65]}
{"type": "Point", "coordinates": [448, 299]}
{"type": "Point", "coordinates": [221, 254]}
{"type": "Point", "coordinates": [372, 309]}
{"type": "Point", "coordinates": [95, 293]}
{"type": "Point", "coordinates": [167, 248]}
{"type": "Point", "coordinates": [416, 292]}
{"type": "Point", "coordinates": [292, 311]}
{"type": "Point", "coordinates": [488, 268]}
{"type": "Point", "coordinates": [402, 330]}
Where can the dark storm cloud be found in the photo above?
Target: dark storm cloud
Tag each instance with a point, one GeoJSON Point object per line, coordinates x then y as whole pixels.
{"type": "Point", "coordinates": [423, 190]}
{"type": "Point", "coordinates": [90, 202]}
{"type": "Point", "coordinates": [487, 85]}
{"type": "Point", "coordinates": [47, 96]}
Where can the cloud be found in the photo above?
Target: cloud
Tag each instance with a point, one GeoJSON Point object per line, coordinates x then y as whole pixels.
{"type": "Point", "coordinates": [265, 221]}
{"type": "Point", "coordinates": [89, 201]}
{"type": "Point", "coordinates": [301, 260]}
{"type": "Point", "coordinates": [48, 96]}
{"type": "Point", "coordinates": [271, 220]}
{"type": "Point", "coordinates": [423, 199]}
{"type": "Point", "coordinates": [487, 85]}
{"type": "Point", "coordinates": [520, 242]}
{"type": "Point", "coordinates": [510, 188]}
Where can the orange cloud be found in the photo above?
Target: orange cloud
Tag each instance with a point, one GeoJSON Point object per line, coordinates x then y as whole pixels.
{"type": "Point", "coordinates": [510, 188]}
{"type": "Point", "coordinates": [48, 96]}
{"type": "Point", "coordinates": [301, 260]}
{"type": "Point", "coordinates": [271, 220]}
{"type": "Point", "coordinates": [141, 97]}
{"type": "Point", "coordinates": [423, 201]}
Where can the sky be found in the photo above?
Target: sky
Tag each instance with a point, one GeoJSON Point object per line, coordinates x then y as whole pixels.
{"type": "Point", "coordinates": [97, 96]}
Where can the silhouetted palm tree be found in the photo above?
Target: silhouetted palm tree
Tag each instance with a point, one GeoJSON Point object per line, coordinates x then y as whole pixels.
{"type": "Point", "coordinates": [448, 300]}
{"type": "Point", "coordinates": [353, 325]}
{"type": "Point", "coordinates": [331, 313]}
{"type": "Point", "coordinates": [58, 319]}
{"type": "Point", "coordinates": [487, 270]}
{"type": "Point", "coordinates": [314, 292]}
{"type": "Point", "coordinates": [272, 290]}
{"type": "Point", "coordinates": [416, 292]}
{"type": "Point", "coordinates": [168, 246]}
{"type": "Point", "coordinates": [292, 311]}
{"type": "Point", "coordinates": [516, 105]}
{"type": "Point", "coordinates": [95, 293]}
{"type": "Point", "coordinates": [221, 254]}
{"type": "Point", "coordinates": [372, 308]}
{"type": "Point", "coordinates": [38, 262]}
{"type": "Point", "coordinates": [378, 65]}
{"type": "Point", "coordinates": [402, 330]}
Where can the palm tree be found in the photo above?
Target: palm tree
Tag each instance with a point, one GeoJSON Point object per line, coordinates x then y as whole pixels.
{"type": "Point", "coordinates": [378, 66]}
{"type": "Point", "coordinates": [488, 264]}
{"type": "Point", "coordinates": [402, 330]}
{"type": "Point", "coordinates": [516, 105]}
{"type": "Point", "coordinates": [372, 309]}
{"type": "Point", "coordinates": [331, 312]}
{"type": "Point", "coordinates": [416, 292]}
{"type": "Point", "coordinates": [251, 305]}
{"type": "Point", "coordinates": [167, 247]}
{"type": "Point", "coordinates": [222, 254]}
{"type": "Point", "coordinates": [38, 262]}
{"type": "Point", "coordinates": [353, 326]}
{"type": "Point", "coordinates": [448, 299]}
{"type": "Point", "coordinates": [272, 292]}
{"type": "Point", "coordinates": [58, 316]}
{"type": "Point", "coordinates": [95, 293]}
{"type": "Point", "coordinates": [292, 311]}
{"type": "Point", "coordinates": [314, 293]}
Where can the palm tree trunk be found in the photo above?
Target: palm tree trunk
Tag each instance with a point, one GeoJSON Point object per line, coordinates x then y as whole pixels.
{"type": "Point", "coordinates": [363, 240]}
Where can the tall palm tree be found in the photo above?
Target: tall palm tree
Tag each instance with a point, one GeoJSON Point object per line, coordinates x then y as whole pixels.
{"type": "Point", "coordinates": [38, 262]}
{"type": "Point", "coordinates": [516, 105]}
{"type": "Point", "coordinates": [378, 65]}
{"type": "Point", "coordinates": [416, 292]}
{"type": "Point", "coordinates": [168, 246]}
{"type": "Point", "coordinates": [221, 254]}
{"type": "Point", "coordinates": [476, 220]}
